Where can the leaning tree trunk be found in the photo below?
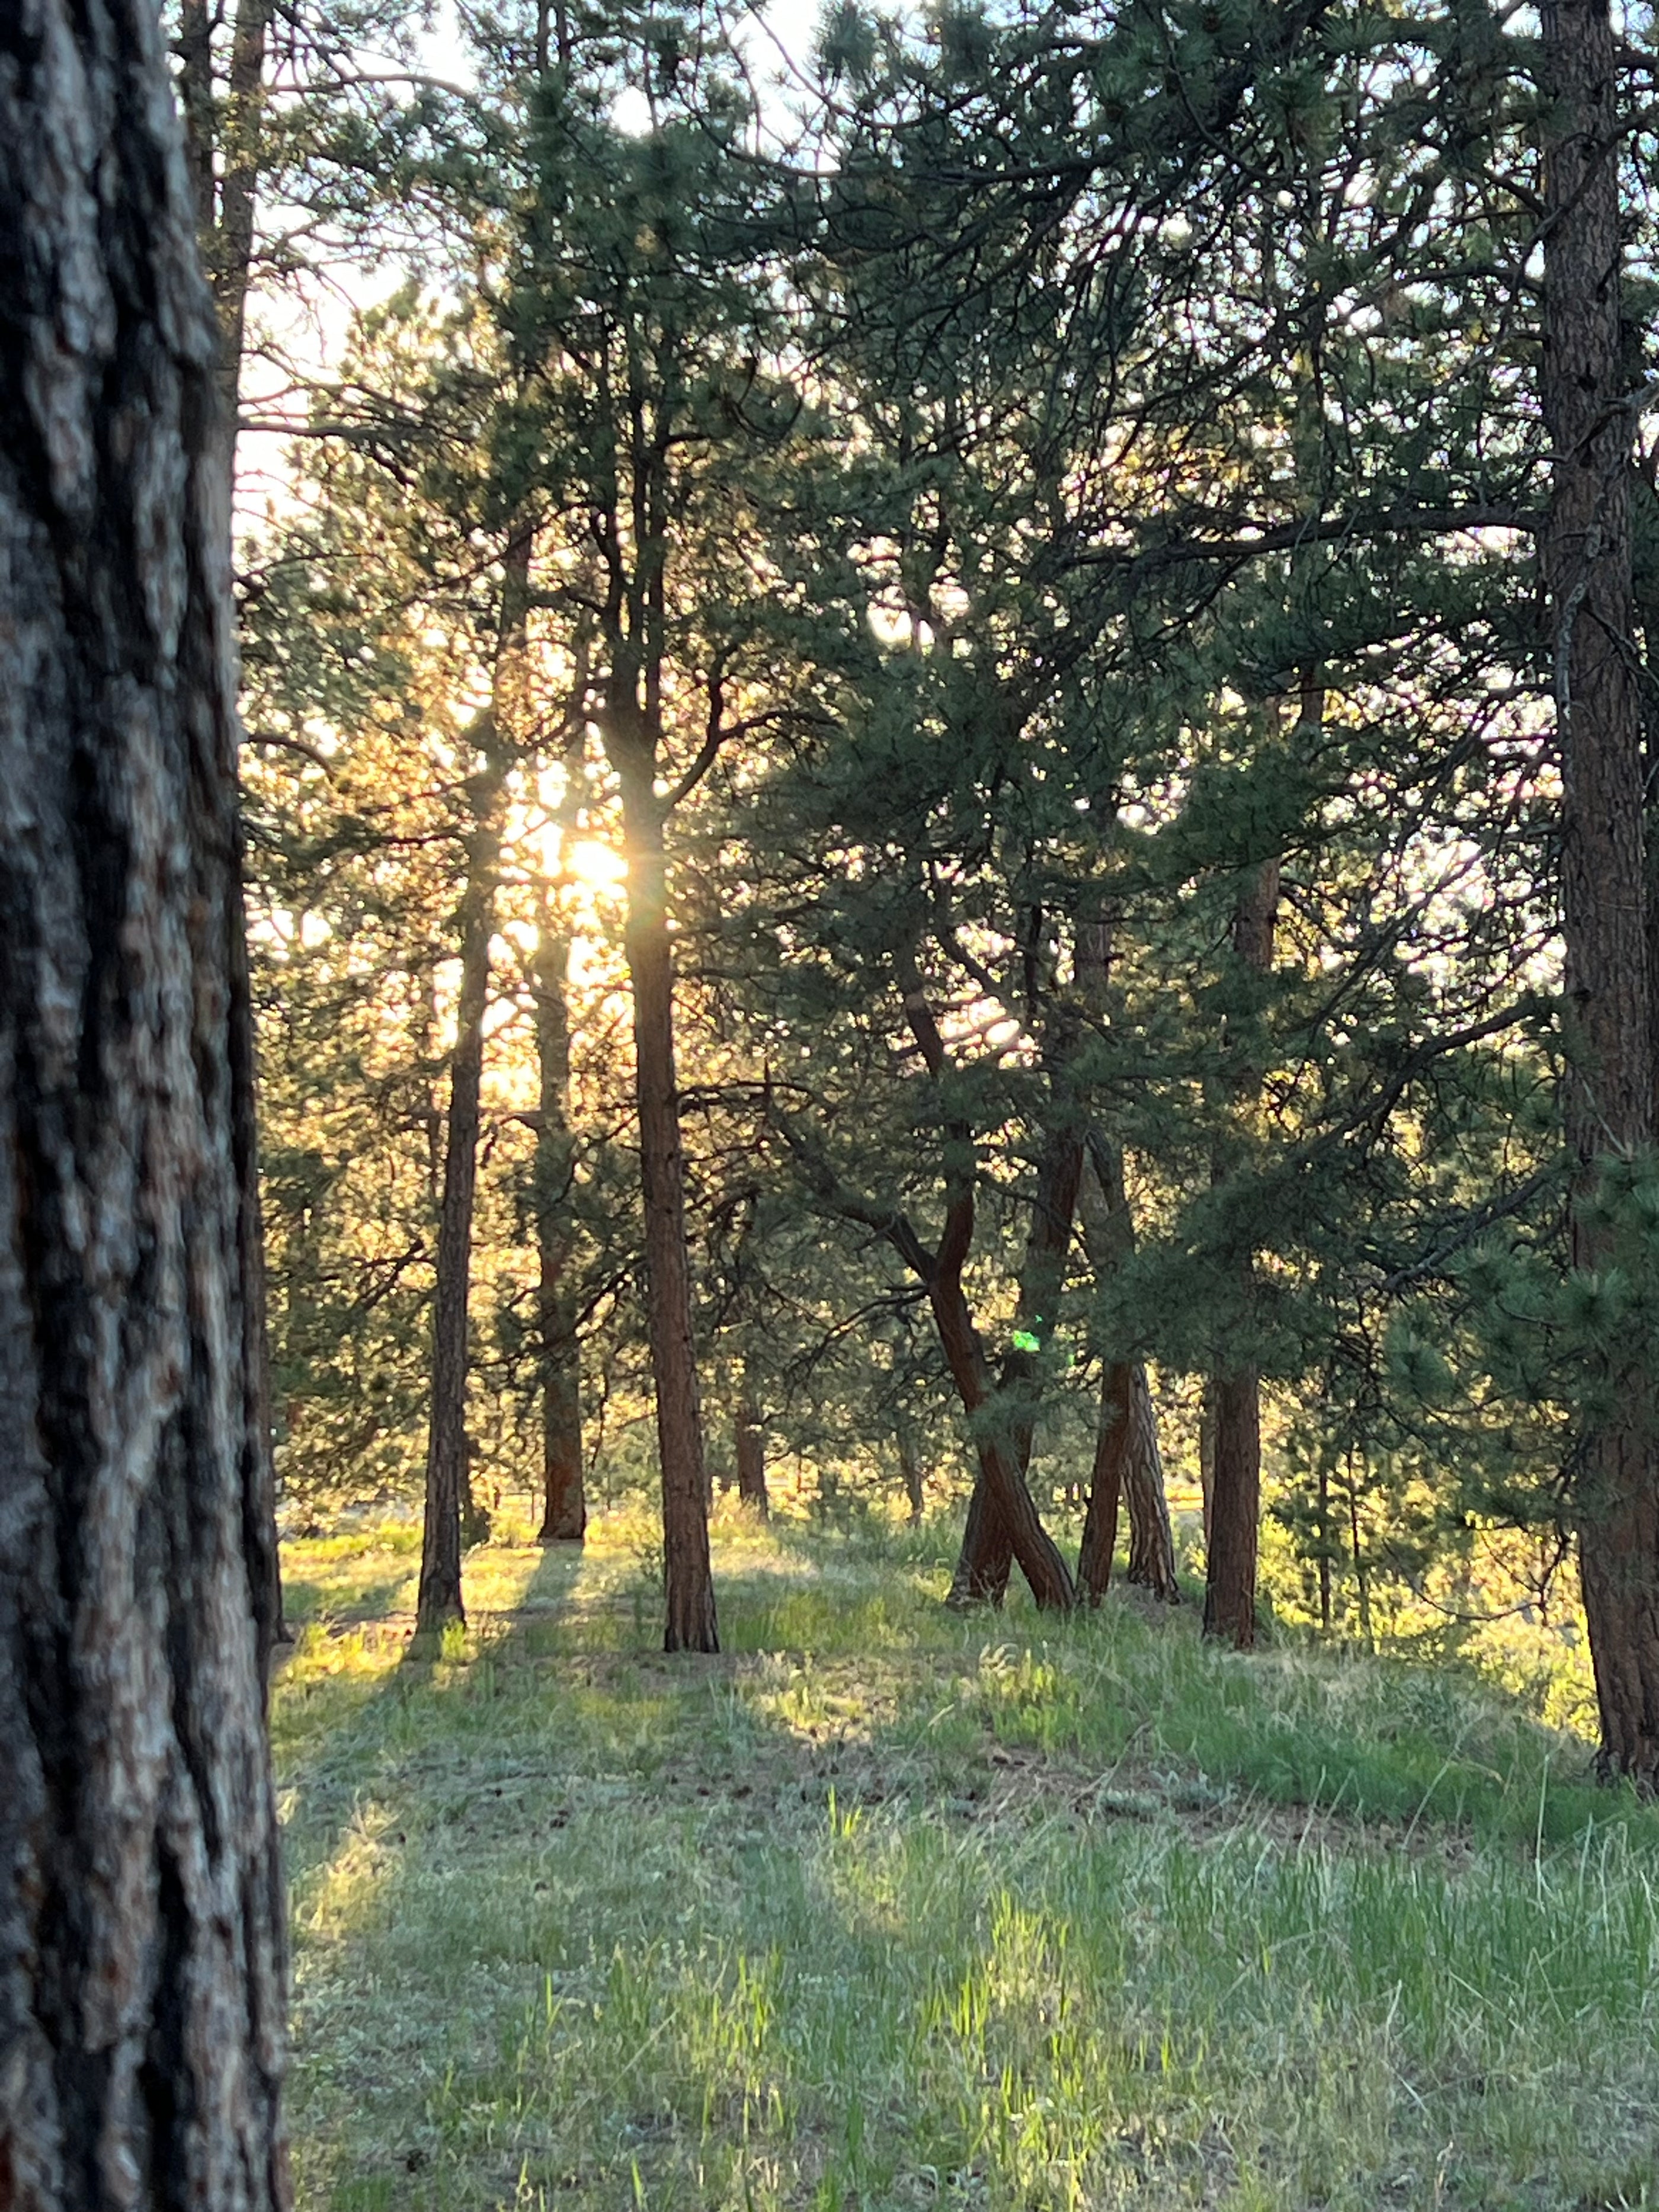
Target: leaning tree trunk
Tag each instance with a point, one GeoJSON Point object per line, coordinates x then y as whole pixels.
{"type": "Point", "coordinates": [689, 1583]}
{"type": "Point", "coordinates": [1587, 574]}
{"type": "Point", "coordinates": [1002, 1498]}
{"type": "Point", "coordinates": [988, 1550]}
{"type": "Point", "coordinates": [141, 1924]}
{"type": "Point", "coordinates": [564, 1516]}
{"type": "Point", "coordinates": [749, 1445]}
{"type": "Point", "coordinates": [1235, 1485]}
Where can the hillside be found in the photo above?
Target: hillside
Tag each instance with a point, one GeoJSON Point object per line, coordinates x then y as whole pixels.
{"type": "Point", "coordinates": [887, 1908]}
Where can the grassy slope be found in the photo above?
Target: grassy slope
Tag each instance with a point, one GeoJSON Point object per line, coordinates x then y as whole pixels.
{"type": "Point", "coordinates": [889, 1908]}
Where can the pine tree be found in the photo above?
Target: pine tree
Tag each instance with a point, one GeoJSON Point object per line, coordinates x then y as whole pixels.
{"type": "Point", "coordinates": [141, 1916]}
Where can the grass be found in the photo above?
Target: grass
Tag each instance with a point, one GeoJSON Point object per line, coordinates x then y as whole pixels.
{"type": "Point", "coordinates": [888, 1908]}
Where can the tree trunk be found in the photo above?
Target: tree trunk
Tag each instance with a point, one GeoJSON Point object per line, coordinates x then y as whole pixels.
{"type": "Point", "coordinates": [1235, 1483]}
{"type": "Point", "coordinates": [229, 283]}
{"type": "Point", "coordinates": [987, 1551]}
{"type": "Point", "coordinates": [688, 1576]}
{"type": "Point", "coordinates": [1003, 1519]}
{"type": "Point", "coordinates": [1587, 574]}
{"type": "Point", "coordinates": [1095, 1554]}
{"type": "Point", "coordinates": [910, 1471]}
{"type": "Point", "coordinates": [1128, 1461]}
{"type": "Point", "coordinates": [1001, 1485]}
{"type": "Point", "coordinates": [1128, 1464]}
{"type": "Point", "coordinates": [564, 1516]}
{"type": "Point", "coordinates": [142, 1995]}
{"type": "Point", "coordinates": [452, 1511]}
{"type": "Point", "coordinates": [1151, 1541]}
{"type": "Point", "coordinates": [223, 140]}
{"type": "Point", "coordinates": [1236, 1511]}
{"type": "Point", "coordinates": [749, 1441]}
{"type": "Point", "coordinates": [448, 1482]}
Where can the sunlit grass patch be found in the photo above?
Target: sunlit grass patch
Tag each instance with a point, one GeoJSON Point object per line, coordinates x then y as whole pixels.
{"type": "Point", "coordinates": [889, 1907]}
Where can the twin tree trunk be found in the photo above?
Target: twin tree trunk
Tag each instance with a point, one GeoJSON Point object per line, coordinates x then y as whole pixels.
{"type": "Point", "coordinates": [1127, 1464]}
{"type": "Point", "coordinates": [142, 1992]}
{"type": "Point", "coordinates": [689, 1583]}
{"type": "Point", "coordinates": [564, 1513]}
{"type": "Point", "coordinates": [1604, 890]}
{"type": "Point", "coordinates": [987, 1555]}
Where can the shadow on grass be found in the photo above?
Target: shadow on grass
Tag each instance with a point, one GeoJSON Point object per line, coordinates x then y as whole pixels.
{"type": "Point", "coordinates": [884, 1894]}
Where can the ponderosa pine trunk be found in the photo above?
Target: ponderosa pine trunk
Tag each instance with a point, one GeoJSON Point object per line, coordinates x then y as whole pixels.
{"type": "Point", "coordinates": [223, 197]}
{"type": "Point", "coordinates": [222, 143]}
{"type": "Point", "coordinates": [1099, 1544]}
{"type": "Point", "coordinates": [689, 1583]}
{"type": "Point", "coordinates": [1234, 1529]}
{"type": "Point", "coordinates": [1001, 1512]}
{"type": "Point", "coordinates": [748, 1446]}
{"type": "Point", "coordinates": [987, 1555]}
{"type": "Point", "coordinates": [1128, 1467]}
{"type": "Point", "coordinates": [1587, 574]}
{"type": "Point", "coordinates": [1005, 1495]}
{"type": "Point", "coordinates": [564, 1513]}
{"type": "Point", "coordinates": [1234, 1510]}
{"type": "Point", "coordinates": [453, 1515]}
{"type": "Point", "coordinates": [1151, 1562]}
{"type": "Point", "coordinates": [448, 1480]}
{"type": "Point", "coordinates": [141, 2000]}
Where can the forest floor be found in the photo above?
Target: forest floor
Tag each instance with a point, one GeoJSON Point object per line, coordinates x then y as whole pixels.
{"type": "Point", "coordinates": [886, 1907]}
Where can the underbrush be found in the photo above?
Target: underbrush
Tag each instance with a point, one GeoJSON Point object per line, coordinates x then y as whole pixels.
{"type": "Point", "coordinates": [887, 1907]}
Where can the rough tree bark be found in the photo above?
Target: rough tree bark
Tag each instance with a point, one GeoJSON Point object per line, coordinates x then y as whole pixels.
{"type": "Point", "coordinates": [1587, 573]}
{"type": "Point", "coordinates": [141, 1926]}
{"type": "Point", "coordinates": [564, 1514]}
{"type": "Point", "coordinates": [688, 1576]}
{"type": "Point", "coordinates": [1235, 1485]}
{"type": "Point", "coordinates": [749, 1444]}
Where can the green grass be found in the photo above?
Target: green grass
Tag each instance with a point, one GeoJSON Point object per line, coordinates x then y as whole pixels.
{"type": "Point", "coordinates": [887, 1908]}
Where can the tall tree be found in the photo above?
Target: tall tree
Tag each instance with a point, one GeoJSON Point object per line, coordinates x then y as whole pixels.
{"type": "Point", "coordinates": [450, 1508]}
{"type": "Point", "coordinates": [1232, 1528]}
{"type": "Point", "coordinates": [141, 1917]}
{"type": "Point", "coordinates": [644, 307]}
{"type": "Point", "coordinates": [1586, 553]}
{"type": "Point", "coordinates": [564, 1510]}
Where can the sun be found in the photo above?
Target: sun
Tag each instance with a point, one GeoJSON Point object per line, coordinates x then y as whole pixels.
{"type": "Point", "coordinates": [595, 865]}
